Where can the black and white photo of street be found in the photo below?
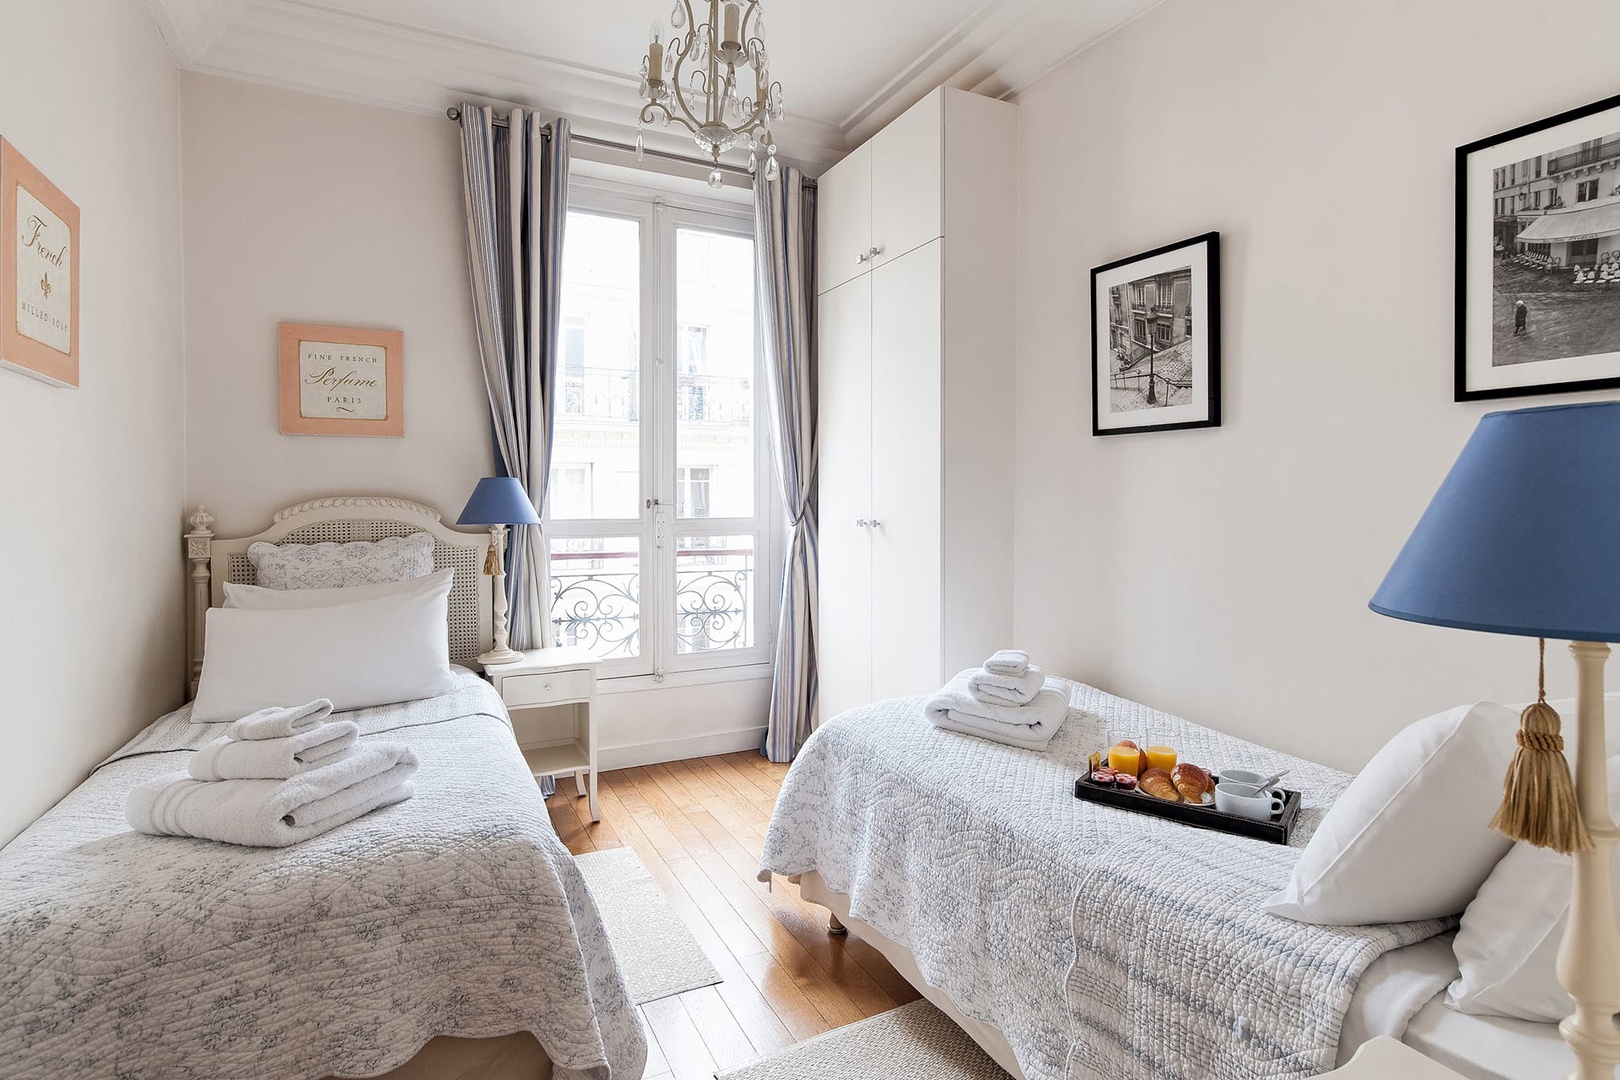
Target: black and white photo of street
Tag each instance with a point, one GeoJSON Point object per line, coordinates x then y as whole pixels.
{"type": "Point", "coordinates": [1151, 341]}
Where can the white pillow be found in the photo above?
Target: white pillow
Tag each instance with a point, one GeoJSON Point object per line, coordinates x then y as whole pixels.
{"type": "Point", "coordinates": [256, 598]}
{"type": "Point", "coordinates": [370, 652]}
{"type": "Point", "coordinates": [335, 566]}
{"type": "Point", "coordinates": [1507, 946]}
{"type": "Point", "coordinates": [1410, 838]}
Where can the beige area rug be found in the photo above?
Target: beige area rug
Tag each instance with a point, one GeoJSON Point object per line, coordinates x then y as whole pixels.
{"type": "Point", "coordinates": [913, 1042]}
{"type": "Point", "coordinates": [658, 954]}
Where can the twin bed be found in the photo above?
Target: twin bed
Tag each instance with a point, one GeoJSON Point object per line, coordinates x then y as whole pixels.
{"type": "Point", "coordinates": [450, 935]}
{"type": "Point", "coordinates": [1077, 941]}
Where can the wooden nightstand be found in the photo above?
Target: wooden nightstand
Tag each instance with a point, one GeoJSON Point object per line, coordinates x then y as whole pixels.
{"type": "Point", "coordinates": [551, 696]}
{"type": "Point", "coordinates": [1384, 1058]}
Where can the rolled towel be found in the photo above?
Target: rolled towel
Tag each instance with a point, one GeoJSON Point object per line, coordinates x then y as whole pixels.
{"type": "Point", "coordinates": [1014, 662]}
{"type": "Point", "coordinates": [278, 722]}
{"type": "Point", "coordinates": [1031, 726]}
{"type": "Point", "coordinates": [996, 689]}
{"type": "Point", "coordinates": [273, 759]}
{"type": "Point", "coordinates": [274, 813]}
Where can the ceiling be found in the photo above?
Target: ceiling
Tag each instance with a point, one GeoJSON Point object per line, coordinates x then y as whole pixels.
{"type": "Point", "coordinates": [847, 66]}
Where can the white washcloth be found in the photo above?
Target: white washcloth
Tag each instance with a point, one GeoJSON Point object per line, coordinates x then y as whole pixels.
{"type": "Point", "coordinates": [274, 813]}
{"type": "Point", "coordinates": [279, 722]}
{"type": "Point", "coordinates": [273, 759]}
{"type": "Point", "coordinates": [995, 689]}
{"type": "Point", "coordinates": [1014, 662]}
{"type": "Point", "coordinates": [1031, 726]}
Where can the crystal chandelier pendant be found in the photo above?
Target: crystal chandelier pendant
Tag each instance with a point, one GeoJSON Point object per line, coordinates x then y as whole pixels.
{"type": "Point", "coordinates": [717, 179]}
{"type": "Point", "coordinates": [641, 145]}
{"type": "Point", "coordinates": [753, 162]}
{"type": "Point", "coordinates": [677, 15]}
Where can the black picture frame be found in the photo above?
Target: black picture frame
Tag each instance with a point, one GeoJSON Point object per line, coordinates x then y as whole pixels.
{"type": "Point", "coordinates": [1188, 331]}
{"type": "Point", "coordinates": [1557, 154]}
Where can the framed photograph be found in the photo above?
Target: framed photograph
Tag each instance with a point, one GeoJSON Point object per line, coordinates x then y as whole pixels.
{"type": "Point", "coordinates": [1538, 257]}
{"type": "Point", "coordinates": [39, 273]}
{"type": "Point", "coordinates": [1156, 339]}
{"type": "Point", "coordinates": [338, 380]}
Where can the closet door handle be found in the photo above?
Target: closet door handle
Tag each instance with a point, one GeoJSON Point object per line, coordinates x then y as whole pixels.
{"type": "Point", "coordinates": [861, 523]}
{"type": "Point", "coordinates": [863, 258]}
{"type": "Point", "coordinates": [874, 253]}
{"type": "Point", "coordinates": [874, 524]}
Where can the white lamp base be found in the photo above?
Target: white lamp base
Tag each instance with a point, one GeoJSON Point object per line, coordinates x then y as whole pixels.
{"type": "Point", "coordinates": [500, 652]}
{"type": "Point", "coordinates": [499, 656]}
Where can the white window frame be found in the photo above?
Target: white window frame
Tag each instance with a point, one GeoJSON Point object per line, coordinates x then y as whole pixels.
{"type": "Point", "coordinates": [658, 529]}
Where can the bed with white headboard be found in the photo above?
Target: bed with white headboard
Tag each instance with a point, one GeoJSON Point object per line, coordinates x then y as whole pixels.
{"type": "Point", "coordinates": [214, 561]}
{"type": "Point", "coordinates": [456, 937]}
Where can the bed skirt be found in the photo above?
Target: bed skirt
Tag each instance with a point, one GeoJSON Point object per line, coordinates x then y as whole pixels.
{"type": "Point", "coordinates": [507, 1057]}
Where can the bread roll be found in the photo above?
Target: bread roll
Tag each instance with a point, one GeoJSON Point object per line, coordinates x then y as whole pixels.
{"type": "Point", "coordinates": [1192, 782]}
{"type": "Point", "coordinates": [1157, 782]}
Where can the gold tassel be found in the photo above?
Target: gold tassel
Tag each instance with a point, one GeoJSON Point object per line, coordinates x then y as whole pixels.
{"type": "Point", "coordinates": [492, 561]}
{"type": "Point", "coordinates": [1538, 797]}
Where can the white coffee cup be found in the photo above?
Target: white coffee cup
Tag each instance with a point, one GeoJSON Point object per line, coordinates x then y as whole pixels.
{"type": "Point", "coordinates": [1247, 783]}
{"type": "Point", "coordinates": [1238, 799]}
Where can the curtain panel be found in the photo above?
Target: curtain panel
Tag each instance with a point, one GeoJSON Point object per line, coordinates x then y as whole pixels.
{"type": "Point", "coordinates": [785, 242]}
{"type": "Point", "coordinates": [516, 183]}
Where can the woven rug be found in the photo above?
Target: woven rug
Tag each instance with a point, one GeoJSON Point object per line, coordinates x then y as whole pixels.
{"type": "Point", "coordinates": [913, 1042]}
{"type": "Point", "coordinates": [658, 954]}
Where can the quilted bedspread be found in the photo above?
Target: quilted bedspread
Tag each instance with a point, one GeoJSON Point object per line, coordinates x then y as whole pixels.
{"type": "Point", "coordinates": [1102, 943]}
{"type": "Point", "coordinates": [457, 912]}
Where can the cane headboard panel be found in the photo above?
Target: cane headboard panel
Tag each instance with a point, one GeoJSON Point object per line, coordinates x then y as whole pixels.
{"type": "Point", "coordinates": [341, 520]}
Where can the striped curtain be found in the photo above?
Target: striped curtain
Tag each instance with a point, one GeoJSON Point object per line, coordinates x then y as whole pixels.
{"type": "Point", "coordinates": [785, 260]}
{"type": "Point", "coordinates": [516, 180]}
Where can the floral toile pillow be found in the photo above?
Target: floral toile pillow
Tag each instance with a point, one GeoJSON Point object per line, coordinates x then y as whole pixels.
{"type": "Point", "coordinates": [337, 566]}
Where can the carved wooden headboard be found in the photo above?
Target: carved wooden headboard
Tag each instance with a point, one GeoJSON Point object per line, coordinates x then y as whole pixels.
{"type": "Point", "coordinates": [340, 519]}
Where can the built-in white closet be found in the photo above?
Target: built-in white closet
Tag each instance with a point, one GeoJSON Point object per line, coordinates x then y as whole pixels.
{"type": "Point", "coordinates": [915, 258]}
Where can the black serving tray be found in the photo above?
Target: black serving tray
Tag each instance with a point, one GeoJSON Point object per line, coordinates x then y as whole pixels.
{"type": "Point", "coordinates": [1275, 831]}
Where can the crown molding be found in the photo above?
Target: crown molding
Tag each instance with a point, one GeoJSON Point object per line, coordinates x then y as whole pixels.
{"type": "Point", "coordinates": [1003, 47]}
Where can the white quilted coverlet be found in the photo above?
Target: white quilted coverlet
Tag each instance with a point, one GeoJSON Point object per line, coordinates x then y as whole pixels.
{"type": "Point", "coordinates": [458, 912]}
{"type": "Point", "coordinates": [1102, 943]}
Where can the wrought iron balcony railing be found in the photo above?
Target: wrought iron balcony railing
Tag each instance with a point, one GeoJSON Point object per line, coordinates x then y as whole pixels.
{"type": "Point", "coordinates": [615, 394]}
{"type": "Point", "coordinates": [596, 600]}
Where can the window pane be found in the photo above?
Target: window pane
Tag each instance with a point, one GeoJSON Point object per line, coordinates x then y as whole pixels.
{"type": "Point", "coordinates": [598, 440]}
{"type": "Point", "coordinates": [596, 594]}
{"type": "Point", "coordinates": [714, 374]}
{"type": "Point", "coordinates": [714, 593]}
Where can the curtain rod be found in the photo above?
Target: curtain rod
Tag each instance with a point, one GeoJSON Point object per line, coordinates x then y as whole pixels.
{"type": "Point", "coordinates": [454, 113]}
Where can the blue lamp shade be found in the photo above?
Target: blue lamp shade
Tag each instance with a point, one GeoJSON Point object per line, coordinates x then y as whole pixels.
{"type": "Point", "coordinates": [1523, 536]}
{"type": "Point", "coordinates": [499, 500]}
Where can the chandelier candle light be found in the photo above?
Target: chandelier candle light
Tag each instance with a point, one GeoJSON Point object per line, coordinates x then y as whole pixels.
{"type": "Point", "coordinates": [692, 78]}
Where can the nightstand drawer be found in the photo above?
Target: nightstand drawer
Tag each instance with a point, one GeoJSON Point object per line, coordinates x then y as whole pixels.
{"type": "Point", "coordinates": [547, 688]}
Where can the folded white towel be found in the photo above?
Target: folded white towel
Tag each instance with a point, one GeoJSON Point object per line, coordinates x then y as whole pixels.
{"type": "Point", "coordinates": [273, 759]}
{"type": "Point", "coordinates": [1031, 726]}
{"type": "Point", "coordinates": [1014, 662]}
{"type": "Point", "coordinates": [278, 722]}
{"type": "Point", "coordinates": [995, 689]}
{"type": "Point", "coordinates": [274, 813]}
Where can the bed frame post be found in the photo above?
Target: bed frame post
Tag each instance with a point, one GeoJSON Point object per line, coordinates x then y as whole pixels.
{"type": "Point", "coordinates": [199, 591]}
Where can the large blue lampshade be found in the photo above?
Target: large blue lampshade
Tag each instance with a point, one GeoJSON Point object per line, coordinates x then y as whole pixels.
{"type": "Point", "coordinates": [499, 500]}
{"type": "Point", "coordinates": [1523, 536]}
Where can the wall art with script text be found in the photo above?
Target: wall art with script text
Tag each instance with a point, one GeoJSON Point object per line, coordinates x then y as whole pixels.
{"type": "Point", "coordinates": [39, 273]}
{"type": "Point", "coordinates": [338, 380]}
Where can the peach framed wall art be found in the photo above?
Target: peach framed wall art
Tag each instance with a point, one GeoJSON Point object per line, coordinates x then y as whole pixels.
{"type": "Point", "coordinates": [39, 273]}
{"type": "Point", "coordinates": [339, 380]}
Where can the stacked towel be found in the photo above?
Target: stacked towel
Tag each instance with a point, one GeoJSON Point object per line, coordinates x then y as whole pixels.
{"type": "Point", "coordinates": [1030, 725]}
{"type": "Point", "coordinates": [274, 778]}
{"type": "Point", "coordinates": [1013, 662]}
{"type": "Point", "coordinates": [994, 689]}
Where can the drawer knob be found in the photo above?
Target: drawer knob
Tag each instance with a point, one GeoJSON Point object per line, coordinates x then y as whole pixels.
{"type": "Point", "coordinates": [548, 687]}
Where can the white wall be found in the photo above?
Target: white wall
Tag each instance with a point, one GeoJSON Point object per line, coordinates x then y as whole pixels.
{"type": "Point", "coordinates": [305, 209]}
{"type": "Point", "coordinates": [90, 638]}
{"type": "Point", "coordinates": [1224, 574]}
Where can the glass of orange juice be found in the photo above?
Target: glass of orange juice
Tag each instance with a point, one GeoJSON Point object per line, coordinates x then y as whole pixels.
{"type": "Point", "coordinates": [1160, 757]}
{"type": "Point", "coordinates": [1127, 759]}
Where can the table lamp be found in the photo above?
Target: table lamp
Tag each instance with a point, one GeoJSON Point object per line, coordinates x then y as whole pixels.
{"type": "Point", "coordinates": [498, 501]}
{"type": "Point", "coordinates": [1523, 538]}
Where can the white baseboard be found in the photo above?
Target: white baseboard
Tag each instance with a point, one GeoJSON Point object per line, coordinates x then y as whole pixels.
{"type": "Point", "coordinates": [609, 758]}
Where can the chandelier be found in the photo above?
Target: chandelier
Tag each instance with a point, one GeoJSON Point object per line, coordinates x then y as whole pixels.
{"type": "Point", "coordinates": [714, 78]}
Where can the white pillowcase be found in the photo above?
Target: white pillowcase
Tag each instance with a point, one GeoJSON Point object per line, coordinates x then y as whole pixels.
{"type": "Point", "coordinates": [1507, 946]}
{"type": "Point", "coordinates": [257, 598]}
{"type": "Point", "coordinates": [336, 566]}
{"type": "Point", "coordinates": [1410, 838]}
{"type": "Point", "coordinates": [369, 652]}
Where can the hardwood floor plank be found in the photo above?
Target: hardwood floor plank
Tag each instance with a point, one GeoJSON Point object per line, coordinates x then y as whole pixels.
{"type": "Point", "coordinates": [678, 1038]}
{"type": "Point", "coordinates": [721, 1033]}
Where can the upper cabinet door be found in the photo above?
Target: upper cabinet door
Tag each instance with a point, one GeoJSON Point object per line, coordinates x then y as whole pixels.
{"type": "Point", "coordinates": [844, 220]}
{"type": "Point", "coordinates": [908, 180]}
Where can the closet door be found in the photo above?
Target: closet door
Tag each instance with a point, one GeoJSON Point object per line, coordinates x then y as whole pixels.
{"type": "Point", "coordinates": [844, 487]}
{"type": "Point", "coordinates": [908, 180]}
{"type": "Point", "coordinates": [844, 220]}
{"type": "Point", "coordinates": [906, 474]}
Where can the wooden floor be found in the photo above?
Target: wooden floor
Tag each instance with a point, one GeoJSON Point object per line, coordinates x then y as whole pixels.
{"type": "Point", "coordinates": [698, 827]}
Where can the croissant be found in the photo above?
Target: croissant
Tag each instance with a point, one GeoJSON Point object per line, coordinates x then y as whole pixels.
{"type": "Point", "coordinates": [1192, 782]}
{"type": "Point", "coordinates": [1157, 782]}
